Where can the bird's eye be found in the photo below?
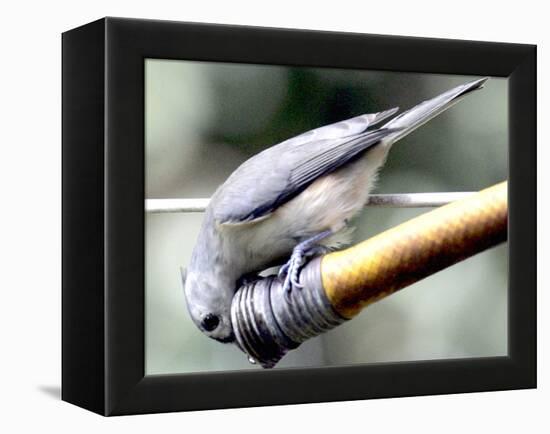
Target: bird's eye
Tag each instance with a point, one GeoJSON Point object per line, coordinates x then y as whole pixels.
{"type": "Point", "coordinates": [210, 322]}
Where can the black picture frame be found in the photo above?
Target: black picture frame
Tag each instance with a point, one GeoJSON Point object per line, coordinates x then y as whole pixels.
{"type": "Point", "coordinates": [103, 216]}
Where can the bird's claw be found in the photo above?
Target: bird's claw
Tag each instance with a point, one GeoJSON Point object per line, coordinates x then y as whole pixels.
{"type": "Point", "coordinates": [291, 271]}
{"type": "Point", "coordinates": [282, 271]}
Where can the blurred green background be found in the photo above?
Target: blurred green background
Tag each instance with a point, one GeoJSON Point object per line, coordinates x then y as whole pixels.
{"type": "Point", "coordinates": [203, 119]}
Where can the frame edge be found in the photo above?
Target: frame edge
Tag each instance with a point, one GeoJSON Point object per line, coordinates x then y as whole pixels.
{"type": "Point", "coordinates": [83, 106]}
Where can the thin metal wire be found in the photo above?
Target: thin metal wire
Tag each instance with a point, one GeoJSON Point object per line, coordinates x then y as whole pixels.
{"type": "Point", "coordinates": [404, 200]}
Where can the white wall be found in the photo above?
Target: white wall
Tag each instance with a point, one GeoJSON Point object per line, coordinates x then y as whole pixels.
{"type": "Point", "coordinates": [30, 217]}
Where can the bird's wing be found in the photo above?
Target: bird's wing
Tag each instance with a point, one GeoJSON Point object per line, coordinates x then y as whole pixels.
{"type": "Point", "coordinates": [278, 174]}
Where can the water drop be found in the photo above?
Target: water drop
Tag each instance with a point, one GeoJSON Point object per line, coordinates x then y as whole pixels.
{"type": "Point", "coordinates": [251, 360]}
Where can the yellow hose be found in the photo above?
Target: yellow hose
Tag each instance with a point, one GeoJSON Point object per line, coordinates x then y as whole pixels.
{"type": "Point", "coordinates": [362, 274]}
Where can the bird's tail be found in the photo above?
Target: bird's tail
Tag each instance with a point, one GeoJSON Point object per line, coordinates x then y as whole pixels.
{"type": "Point", "coordinates": [410, 120]}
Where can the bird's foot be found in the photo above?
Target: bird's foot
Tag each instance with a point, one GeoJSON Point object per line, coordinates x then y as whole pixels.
{"type": "Point", "coordinates": [291, 270]}
{"type": "Point", "coordinates": [306, 249]}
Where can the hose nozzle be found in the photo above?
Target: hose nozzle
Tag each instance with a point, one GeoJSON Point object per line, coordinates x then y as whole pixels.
{"type": "Point", "coordinates": [268, 322]}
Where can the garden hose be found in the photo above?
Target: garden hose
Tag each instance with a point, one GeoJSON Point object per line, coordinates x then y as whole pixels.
{"type": "Point", "coordinates": [268, 322]}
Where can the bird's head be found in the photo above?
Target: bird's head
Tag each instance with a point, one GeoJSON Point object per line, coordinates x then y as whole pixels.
{"type": "Point", "coordinates": [209, 304]}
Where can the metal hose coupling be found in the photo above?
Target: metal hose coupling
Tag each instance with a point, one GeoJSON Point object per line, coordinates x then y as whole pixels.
{"type": "Point", "coordinates": [268, 322]}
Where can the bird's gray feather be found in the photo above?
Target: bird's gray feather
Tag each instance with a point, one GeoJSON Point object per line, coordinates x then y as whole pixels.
{"type": "Point", "coordinates": [306, 158]}
{"type": "Point", "coordinates": [410, 120]}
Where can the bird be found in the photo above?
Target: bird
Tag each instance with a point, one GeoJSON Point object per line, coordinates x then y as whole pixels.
{"type": "Point", "coordinates": [291, 202]}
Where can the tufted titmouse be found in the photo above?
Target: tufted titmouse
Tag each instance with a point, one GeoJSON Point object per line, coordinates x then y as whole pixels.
{"type": "Point", "coordinates": [296, 199]}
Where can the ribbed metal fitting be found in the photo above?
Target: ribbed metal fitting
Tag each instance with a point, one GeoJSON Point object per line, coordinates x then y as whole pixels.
{"type": "Point", "coordinates": [268, 323]}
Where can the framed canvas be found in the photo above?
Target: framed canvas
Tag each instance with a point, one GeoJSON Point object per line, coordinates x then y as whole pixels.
{"type": "Point", "coordinates": [157, 115]}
